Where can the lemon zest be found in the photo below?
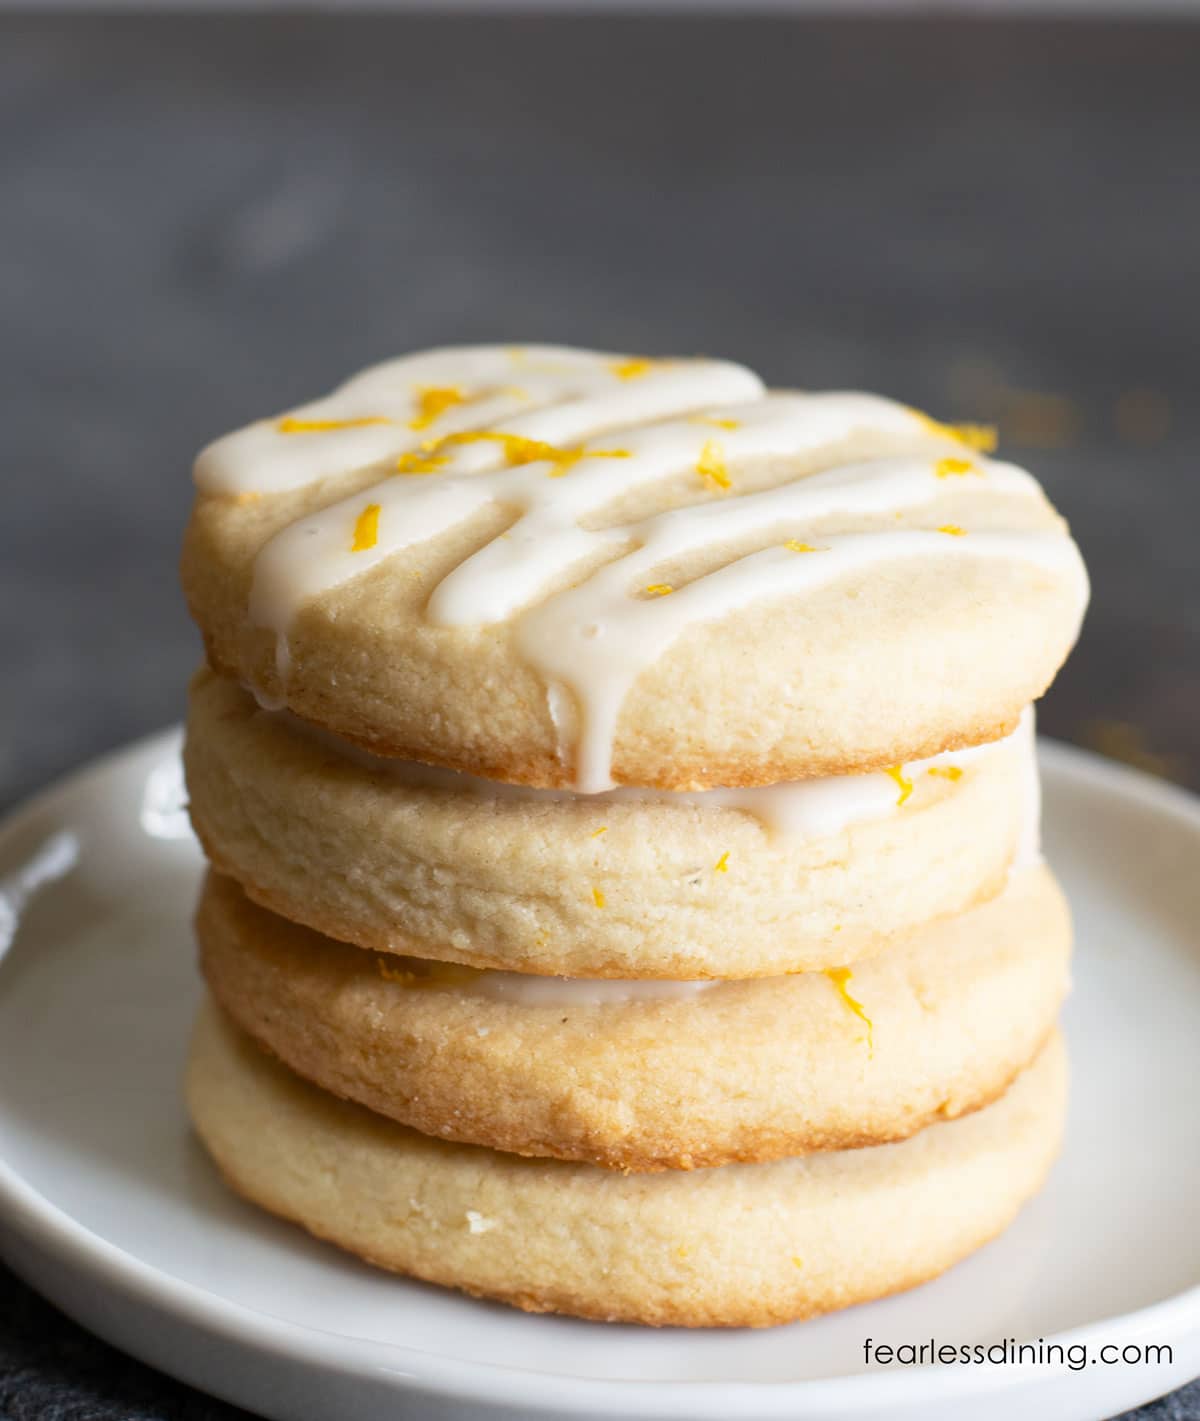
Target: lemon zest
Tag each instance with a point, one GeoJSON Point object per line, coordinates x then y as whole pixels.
{"type": "Point", "coordinates": [517, 448]}
{"type": "Point", "coordinates": [598, 898]}
{"type": "Point", "coordinates": [433, 401]}
{"type": "Point", "coordinates": [632, 369]}
{"type": "Point", "coordinates": [711, 464]}
{"type": "Point", "coordinates": [722, 864]}
{"type": "Point", "coordinates": [948, 468]}
{"type": "Point", "coordinates": [419, 461]}
{"type": "Point", "coordinates": [289, 425]}
{"type": "Point", "coordinates": [981, 437]}
{"type": "Point", "coordinates": [660, 589]}
{"type": "Point", "coordinates": [905, 784]}
{"type": "Point", "coordinates": [717, 423]}
{"type": "Point", "coordinates": [946, 772]}
{"type": "Point", "coordinates": [603, 829]}
{"type": "Point", "coordinates": [794, 545]}
{"type": "Point", "coordinates": [839, 976]}
{"type": "Point", "coordinates": [366, 529]}
{"type": "Point", "coordinates": [953, 530]}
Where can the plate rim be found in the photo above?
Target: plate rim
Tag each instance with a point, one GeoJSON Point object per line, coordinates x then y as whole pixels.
{"type": "Point", "coordinates": [55, 1233]}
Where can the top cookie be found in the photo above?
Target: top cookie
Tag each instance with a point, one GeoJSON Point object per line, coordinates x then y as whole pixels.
{"type": "Point", "coordinates": [566, 568]}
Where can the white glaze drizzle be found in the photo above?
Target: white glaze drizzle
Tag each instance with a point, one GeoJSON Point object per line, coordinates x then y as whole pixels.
{"type": "Point", "coordinates": [799, 809]}
{"type": "Point", "coordinates": [535, 991]}
{"type": "Point", "coordinates": [862, 796]}
{"type": "Point", "coordinates": [859, 796]}
{"type": "Point", "coordinates": [805, 808]}
{"type": "Point", "coordinates": [595, 637]}
{"type": "Point", "coordinates": [544, 392]}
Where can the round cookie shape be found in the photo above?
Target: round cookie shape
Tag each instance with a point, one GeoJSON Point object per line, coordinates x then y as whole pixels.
{"type": "Point", "coordinates": [563, 568]}
{"type": "Point", "coordinates": [655, 1075]}
{"type": "Point", "coordinates": [811, 1235]}
{"type": "Point", "coordinates": [404, 858]}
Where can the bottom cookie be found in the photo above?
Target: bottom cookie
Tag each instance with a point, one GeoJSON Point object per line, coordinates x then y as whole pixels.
{"type": "Point", "coordinates": [740, 1245]}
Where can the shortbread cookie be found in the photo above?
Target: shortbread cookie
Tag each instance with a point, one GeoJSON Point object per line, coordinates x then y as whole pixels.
{"type": "Point", "coordinates": [744, 1245]}
{"type": "Point", "coordinates": [651, 1075]}
{"type": "Point", "coordinates": [406, 858]}
{"type": "Point", "coordinates": [557, 567]}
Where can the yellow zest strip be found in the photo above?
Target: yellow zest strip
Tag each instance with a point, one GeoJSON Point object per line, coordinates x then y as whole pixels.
{"type": "Point", "coordinates": [366, 529]}
{"type": "Point", "coordinates": [948, 468]}
{"type": "Point", "coordinates": [722, 864]}
{"type": "Point", "coordinates": [603, 829]}
{"type": "Point", "coordinates": [660, 589]}
{"type": "Point", "coordinates": [717, 423]}
{"type": "Point", "coordinates": [793, 545]}
{"type": "Point", "coordinates": [975, 436]}
{"type": "Point", "coordinates": [566, 459]}
{"type": "Point", "coordinates": [905, 785]}
{"type": "Point", "coordinates": [323, 426]}
{"type": "Point", "coordinates": [796, 1263]}
{"type": "Point", "coordinates": [711, 464]}
{"type": "Point", "coordinates": [839, 976]}
{"type": "Point", "coordinates": [433, 401]}
{"type": "Point", "coordinates": [517, 450]}
{"type": "Point", "coordinates": [953, 530]}
{"type": "Point", "coordinates": [946, 772]}
{"type": "Point", "coordinates": [418, 462]}
{"type": "Point", "coordinates": [632, 369]}
{"type": "Point", "coordinates": [982, 437]}
{"type": "Point", "coordinates": [597, 898]}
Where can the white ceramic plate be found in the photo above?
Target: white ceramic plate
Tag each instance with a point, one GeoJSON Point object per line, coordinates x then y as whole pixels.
{"type": "Point", "coordinates": [109, 1207]}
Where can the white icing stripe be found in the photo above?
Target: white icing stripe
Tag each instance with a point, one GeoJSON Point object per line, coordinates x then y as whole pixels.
{"type": "Point", "coordinates": [547, 540]}
{"type": "Point", "coordinates": [315, 554]}
{"type": "Point", "coordinates": [549, 393]}
{"type": "Point", "coordinates": [547, 493]}
{"type": "Point", "coordinates": [601, 669]}
{"type": "Point", "coordinates": [815, 808]}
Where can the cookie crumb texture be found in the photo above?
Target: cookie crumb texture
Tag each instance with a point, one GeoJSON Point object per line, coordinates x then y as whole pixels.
{"type": "Point", "coordinates": [746, 1245]}
{"type": "Point", "coordinates": [634, 1080]}
{"type": "Point", "coordinates": [400, 858]}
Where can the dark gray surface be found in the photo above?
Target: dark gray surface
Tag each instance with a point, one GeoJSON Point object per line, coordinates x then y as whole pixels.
{"type": "Point", "coordinates": [204, 220]}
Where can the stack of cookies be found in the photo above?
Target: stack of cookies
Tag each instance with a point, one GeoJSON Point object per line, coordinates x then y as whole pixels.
{"type": "Point", "coordinates": [619, 786]}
